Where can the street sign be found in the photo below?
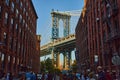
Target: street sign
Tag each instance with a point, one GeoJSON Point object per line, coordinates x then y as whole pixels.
{"type": "Point", "coordinates": [116, 60]}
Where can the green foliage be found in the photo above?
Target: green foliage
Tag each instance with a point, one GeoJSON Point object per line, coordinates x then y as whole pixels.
{"type": "Point", "coordinates": [42, 66]}
{"type": "Point", "coordinates": [47, 66]}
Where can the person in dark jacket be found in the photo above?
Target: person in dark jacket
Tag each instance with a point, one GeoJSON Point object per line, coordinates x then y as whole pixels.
{"type": "Point", "coordinates": [107, 75]}
{"type": "Point", "coordinates": [1, 74]}
{"type": "Point", "coordinates": [101, 73]}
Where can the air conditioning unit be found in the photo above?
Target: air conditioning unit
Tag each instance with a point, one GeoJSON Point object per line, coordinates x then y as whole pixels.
{"type": "Point", "coordinates": [97, 19]}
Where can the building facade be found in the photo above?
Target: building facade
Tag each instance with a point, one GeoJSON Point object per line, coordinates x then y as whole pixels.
{"type": "Point", "coordinates": [103, 28]}
{"type": "Point", "coordinates": [18, 34]}
{"type": "Point", "coordinates": [82, 54]}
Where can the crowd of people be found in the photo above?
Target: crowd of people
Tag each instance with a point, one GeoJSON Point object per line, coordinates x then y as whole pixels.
{"type": "Point", "coordinates": [100, 74]}
{"type": "Point", "coordinates": [19, 76]}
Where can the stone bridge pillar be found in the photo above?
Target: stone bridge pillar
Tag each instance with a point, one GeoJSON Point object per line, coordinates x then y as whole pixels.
{"type": "Point", "coordinates": [67, 60]}
{"type": "Point", "coordinates": [56, 57]}
{"type": "Point", "coordinates": [64, 60]}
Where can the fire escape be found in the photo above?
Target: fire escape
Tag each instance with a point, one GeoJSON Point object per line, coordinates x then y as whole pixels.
{"type": "Point", "coordinates": [113, 29]}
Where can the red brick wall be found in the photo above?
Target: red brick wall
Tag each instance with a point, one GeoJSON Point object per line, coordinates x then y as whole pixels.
{"type": "Point", "coordinates": [103, 39]}
{"type": "Point", "coordinates": [20, 43]}
{"type": "Point", "coordinates": [81, 42]}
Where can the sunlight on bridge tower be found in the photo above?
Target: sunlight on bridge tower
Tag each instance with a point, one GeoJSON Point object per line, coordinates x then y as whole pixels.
{"type": "Point", "coordinates": [61, 45]}
{"type": "Point", "coordinates": [56, 16]}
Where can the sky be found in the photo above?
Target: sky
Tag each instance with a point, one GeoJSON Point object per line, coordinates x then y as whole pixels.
{"type": "Point", "coordinates": [43, 9]}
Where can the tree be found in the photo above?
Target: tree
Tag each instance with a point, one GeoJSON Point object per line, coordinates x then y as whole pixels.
{"type": "Point", "coordinates": [42, 66]}
{"type": "Point", "coordinates": [47, 65]}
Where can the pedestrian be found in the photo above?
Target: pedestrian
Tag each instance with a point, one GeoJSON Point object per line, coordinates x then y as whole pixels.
{"type": "Point", "coordinates": [91, 76]}
{"type": "Point", "coordinates": [50, 76]}
{"type": "Point", "coordinates": [64, 77]}
{"type": "Point", "coordinates": [46, 76]}
{"type": "Point", "coordinates": [28, 75]}
{"type": "Point", "coordinates": [107, 75]}
{"type": "Point", "coordinates": [33, 76]}
{"type": "Point", "coordinates": [43, 76]}
{"type": "Point", "coordinates": [78, 75]}
{"type": "Point", "coordinates": [3, 77]}
{"type": "Point", "coordinates": [101, 73]}
{"type": "Point", "coordinates": [1, 74]}
{"type": "Point", "coordinates": [9, 76]}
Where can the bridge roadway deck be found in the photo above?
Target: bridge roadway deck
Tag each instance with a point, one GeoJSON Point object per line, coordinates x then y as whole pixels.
{"type": "Point", "coordinates": [59, 44]}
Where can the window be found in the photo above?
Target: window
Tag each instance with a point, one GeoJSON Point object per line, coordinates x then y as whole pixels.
{"type": "Point", "coordinates": [21, 34]}
{"type": "Point", "coordinates": [20, 18]}
{"type": "Point", "coordinates": [17, 12]}
{"type": "Point", "coordinates": [114, 2]}
{"type": "Point", "coordinates": [0, 56]}
{"type": "Point", "coordinates": [3, 57]}
{"type": "Point", "coordinates": [6, 18]}
{"type": "Point", "coordinates": [22, 48]}
{"type": "Point", "coordinates": [26, 25]}
{"type": "Point", "coordinates": [5, 37]}
{"type": "Point", "coordinates": [21, 4]}
{"type": "Point", "coordinates": [17, 1]}
{"type": "Point", "coordinates": [8, 58]}
{"type": "Point", "coordinates": [23, 22]}
{"type": "Point", "coordinates": [7, 2]}
{"type": "Point", "coordinates": [13, 59]}
{"type": "Point", "coordinates": [16, 27]}
{"type": "Point", "coordinates": [15, 45]}
{"type": "Point", "coordinates": [18, 50]}
{"type": "Point", "coordinates": [26, 4]}
{"type": "Point", "coordinates": [0, 9]}
{"type": "Point", "coordinates": [9, 63]}
{"type": "Point", "coordinates": [109, 29]}
{"type": "Point", "coordinates": [12, 6]}
{"type": "Point", "coordinates": [116, 24]}
{"type": "Point", "coordinates": [24, 10]}
{"type": "Point", "coordinates": [20, 30]}
{"type": "Point", "coordinates": [26, 15]}
{"type": "Point", "coordinates": [11, 23]}
{"type": "Point", "coordinates": [17, 61]}
{"type": "Point", "coordinates": [104, 36]}
{"type": "Point", "coordinates": [3, 61]}
{"type": "Point", "coordinates": [0, 12]}
{"type": "Point", "coordinates": [108, 10]}
{"type": "Point", "coordinates": [10, 43]}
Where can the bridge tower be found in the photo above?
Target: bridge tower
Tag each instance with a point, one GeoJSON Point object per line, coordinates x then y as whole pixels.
{"type": "Point", "coordinates": [56, 16]}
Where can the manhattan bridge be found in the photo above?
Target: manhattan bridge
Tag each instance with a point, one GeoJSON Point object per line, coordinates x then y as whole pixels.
{"type": "Point", "coordinates": [64, 45]}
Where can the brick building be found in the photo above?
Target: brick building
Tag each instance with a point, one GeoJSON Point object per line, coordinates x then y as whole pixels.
{"type": "Point", "coordinates": [81, 42]}
{"type": "Point", "coordinates": [103, 28]}
{"type": "Point", "coordinates": [21, 45]}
